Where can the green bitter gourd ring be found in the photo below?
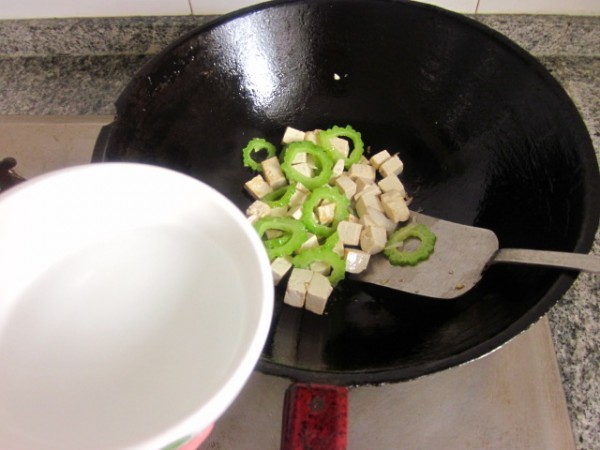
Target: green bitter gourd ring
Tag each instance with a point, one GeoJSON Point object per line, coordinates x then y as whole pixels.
{"type": "Point", "coordinates": [398, 257]}
{"type": "Point", "coordinates": [254, 146]}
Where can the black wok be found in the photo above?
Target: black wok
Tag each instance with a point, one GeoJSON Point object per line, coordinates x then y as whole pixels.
{"type": "Point", "coordinates": [487, 136]}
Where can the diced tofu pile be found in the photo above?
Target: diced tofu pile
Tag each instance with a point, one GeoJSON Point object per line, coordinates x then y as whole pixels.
{"type": "Point", "coordinates": [379, 203]}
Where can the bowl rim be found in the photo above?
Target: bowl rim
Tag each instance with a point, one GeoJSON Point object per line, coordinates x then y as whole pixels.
{"type": "Point", "coordinates": [203, 416]}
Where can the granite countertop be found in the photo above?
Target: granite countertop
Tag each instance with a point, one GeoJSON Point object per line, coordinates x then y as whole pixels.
{"type": "Point", "coordinates": [79, 67]}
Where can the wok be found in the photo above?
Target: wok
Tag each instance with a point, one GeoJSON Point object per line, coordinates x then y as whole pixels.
{"type": "Point", "coordinates": [488, 137]}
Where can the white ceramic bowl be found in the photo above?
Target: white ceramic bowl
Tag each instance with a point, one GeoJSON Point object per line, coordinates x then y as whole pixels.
{"type": "Point", "coordinates": [135, 302]}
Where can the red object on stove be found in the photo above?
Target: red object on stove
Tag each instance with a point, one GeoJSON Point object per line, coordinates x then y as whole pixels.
{"type": "Point", "coordinates": [315, 417]}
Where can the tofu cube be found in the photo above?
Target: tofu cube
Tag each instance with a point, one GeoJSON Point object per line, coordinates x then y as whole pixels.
{"type": "Point", "coordinates": [311, 242]}
{"type": "Point", "coordinates": [295, 212]}
{"type": "Point", "coordinates": [299, 195]}
{"type": "Point", "coordinates": [367, 201]}
{"type": "Point", "coordinates": [346, 185]}
{"type": "Point", "coordinates": [257, 187]}
{"type": "Point", "coordinates": [393, 166]}
{"type": "Point", "coordinates": [338, 248]}
{"type": "Point", "coordinates": [366, 187]}
{"type": "Point", "coordinates": [391, 183]}
{"type": "Point", "coordinates": [352, 218]}
{"type": "Point", "coordinates": [280, 267]}
{"type": "Point", "coordinates": [300, 157]}
{"type": "Point", "coordinates": [320, 267]}
{"type": "Point", "coordinates": [363, 183]}
{"type": "Point", "coordinates": [301, 188]}
{"type": "Point", "coordinates": [349, 232]}
{"type": "Point", "coordinates": [297, 286]}
{"type": "Point", "coordinates": [326, 213]}
{"type": "Point", "coordinates": [378, 218]}
{"type": "Point", "coordinates": [365, 171]}
{"type": "Point", "coordinates": [273, 173]}
{"type": "Point", "coordinates": [258, 209]}
{"type": "Point", "coordinates": [273, 234]}
{"type": "Point", "coordinates": [304, 169]}
{"type": "Point", "coordinates": [342, 146]}
{"type": "Point", "coordinates": [379, 158]}
{"type": "Point", "coordinates": [366, 220]}
{"type": "Point", "coordinates": [337, 170]}
{"type": "Point", "coordinates": [356, 260]}
{"type": "Point", "coordinates": [373, 239]}
{"type": "Point", "coordinates": [253, 219]}
{"type": "Point", "coordinates": [292, 135]}
{"type": "Point", "coordinates": [311, 136]}
{"type": "Point", "coordinates": [395, 206]}
{"type": "Point", "coordinates": [318, 293]}
{"type": "Point", "coordinates": [279, 211]}
{"type": "Point", "coordinates": [310, 160]}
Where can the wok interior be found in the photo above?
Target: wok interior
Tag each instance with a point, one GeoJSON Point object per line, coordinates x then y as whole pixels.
{"type": "Point", "coordinates": [487, 137]}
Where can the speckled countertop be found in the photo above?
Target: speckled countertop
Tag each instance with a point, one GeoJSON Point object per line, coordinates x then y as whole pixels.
{"type": "Point", "coordinates": [79, 67]}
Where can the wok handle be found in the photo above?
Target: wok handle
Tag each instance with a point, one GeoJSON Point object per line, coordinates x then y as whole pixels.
{"type": "Point", "coordinates": [102, 141]}
{"type": "Point", "coordinates": [8, 177]}
{"type": "Point", "coordinates": [315, 417]}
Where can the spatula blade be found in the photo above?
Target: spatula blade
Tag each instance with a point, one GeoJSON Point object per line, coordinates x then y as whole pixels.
{"type": "Point", "coordinates": [460, 256]}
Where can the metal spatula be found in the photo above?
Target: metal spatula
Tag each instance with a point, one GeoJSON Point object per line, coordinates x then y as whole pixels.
{"type": "Point", "coordinates": [461, 254]}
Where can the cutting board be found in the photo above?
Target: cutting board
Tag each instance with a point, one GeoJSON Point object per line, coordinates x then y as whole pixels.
{"type": "Point", "coordinates": [510, 399]}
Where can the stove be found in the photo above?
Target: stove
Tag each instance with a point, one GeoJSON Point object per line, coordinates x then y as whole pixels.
{"type": "Point", "coordinates": [510, 399]}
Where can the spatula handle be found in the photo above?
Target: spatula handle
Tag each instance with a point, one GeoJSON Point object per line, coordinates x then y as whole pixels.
{"type": "Point", "coordinates": [578, 261]}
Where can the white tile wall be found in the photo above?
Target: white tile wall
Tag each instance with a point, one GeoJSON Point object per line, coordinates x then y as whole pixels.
{"type": "Point", "coordinates": [19, 9]}
{"type": "Point", "coordinates": [573, 7]}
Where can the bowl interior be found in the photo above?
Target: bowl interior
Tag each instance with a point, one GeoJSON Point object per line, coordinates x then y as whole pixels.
{"type": "Point", "coordinates": [487, 136]}
{"type": "Point", "coordinates": [138, 303]}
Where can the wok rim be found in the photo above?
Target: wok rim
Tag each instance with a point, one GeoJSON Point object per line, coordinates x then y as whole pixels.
{"type": "Point", "coordinates": [590, 215]}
